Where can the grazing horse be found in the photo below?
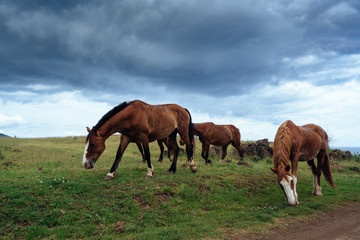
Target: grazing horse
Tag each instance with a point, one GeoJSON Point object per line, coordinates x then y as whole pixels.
{"type": "Point", "coordinates": [300, 143]}
{"type": "Point", "coordinates": [140, 122]}
{"type": "Point", "coordinates": [218, 135]}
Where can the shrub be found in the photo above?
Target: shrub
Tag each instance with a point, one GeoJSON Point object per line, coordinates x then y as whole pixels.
{"type": "Point", "coordinates": [357, 157]}
{"type": "Point", "coordinates": [355, 169]}
{"type": "Point", "coordinates": [255, 159]}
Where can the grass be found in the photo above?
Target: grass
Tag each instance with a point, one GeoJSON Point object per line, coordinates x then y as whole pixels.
{"type": "Point", "coordinates": [45, 193]}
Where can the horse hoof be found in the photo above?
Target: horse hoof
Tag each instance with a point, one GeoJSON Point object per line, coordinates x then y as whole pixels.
{"type": "Point", "coordinates": [170, 171]}
{"type": "Point", "coordinates": [221, 161]}
{"type": "Point", "coordinates": [150, 173]}
{"type": "Point", "coordinates": [109, 176]}
{"type": "Point", "coordinates": [193, 167]}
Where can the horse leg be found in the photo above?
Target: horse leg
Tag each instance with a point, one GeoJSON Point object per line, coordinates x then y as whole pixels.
{"type": "Point", "coordinates": [205, 152]}
{"type": "Point", "coordinates": [224, 152]}
{"type": "Point", "coordinates": [315, 179]}
{"type": "Point", "coordinates": [161, 146]}
{"type": "Point", "coordinates": [166, 142]}
{"type": "Point", "coordinates": [320, 163]}
{"type": "Point", "coordinates": [141, 150]}
{"type": "Point", "coordinates": [186, 139]}
{"type": "Point", "coordinates": [294, 166]}
{"type": "Point", "coordinates": [236, 145]}
{"type": "Point", "coordinates": [151, 171]}
{"type": "Point", "coordinates": [124, 142]}
{"type": "Point", "coordinates": [174, 147]}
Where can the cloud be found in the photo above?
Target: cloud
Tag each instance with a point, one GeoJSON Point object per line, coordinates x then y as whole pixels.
{"type": "Point", "coordinates": [255, 64]}
{"type": "Point", "coordinates": [56, 114]}
{"type": "Point", "coordinates": [10, 120]}
{"type": "Point", "coordinates": [85, 44]}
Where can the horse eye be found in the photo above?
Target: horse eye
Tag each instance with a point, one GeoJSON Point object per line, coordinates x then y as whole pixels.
{"type": "Point", "coordinates": [92, 145]}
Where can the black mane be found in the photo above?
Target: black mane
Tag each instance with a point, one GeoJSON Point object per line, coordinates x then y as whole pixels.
{"type": "Point", "coordinates": [111, 113]}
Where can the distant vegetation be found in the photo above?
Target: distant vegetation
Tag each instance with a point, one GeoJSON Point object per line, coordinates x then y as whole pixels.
{"type": "Point", "coordinates": [3, 135]}
{"type": "Point", "coordinates": [46, 193]}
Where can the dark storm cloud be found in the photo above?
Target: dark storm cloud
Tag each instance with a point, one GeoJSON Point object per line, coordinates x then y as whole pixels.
{"type": "Point", "coordinates": [212, 47]}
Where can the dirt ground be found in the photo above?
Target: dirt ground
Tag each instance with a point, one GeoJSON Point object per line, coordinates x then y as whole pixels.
{"type": "Point", "coordinates": [340, 224]}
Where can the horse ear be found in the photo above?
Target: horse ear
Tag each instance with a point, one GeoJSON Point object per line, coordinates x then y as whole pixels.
{"type": "Point", "coordinates": [287, 168]}
{"type": "Point", "coordinates": [88, 129]}
{"type": "Point", "coordinates": [274, 170]}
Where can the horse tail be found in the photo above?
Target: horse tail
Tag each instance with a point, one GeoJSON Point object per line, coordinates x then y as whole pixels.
{"type": "Point", "coordinates": [237, 139]}
{"type": "Point", "coordinates": [326, 169]}
{"type": "Point", "coordinates": [191, 134]}
{"type": "Point", "coordinates": [282, 145]}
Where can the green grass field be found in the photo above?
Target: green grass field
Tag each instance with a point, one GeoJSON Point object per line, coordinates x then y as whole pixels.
{"type": "Point", "coordinates": [45, 193]}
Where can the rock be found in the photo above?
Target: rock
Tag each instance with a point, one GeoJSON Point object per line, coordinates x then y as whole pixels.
{"type": "Point", "coordinates": [337, 154]}
{"type": "Point", "coordinates": [260, 148]}
{"type": "Point", "coordinates": [215, 151]}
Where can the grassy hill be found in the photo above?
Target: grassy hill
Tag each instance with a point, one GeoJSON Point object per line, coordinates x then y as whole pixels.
{"type": "Point", "coordinates": [46, 193]}
{"type": "Point", "coordinates": [3, 135]}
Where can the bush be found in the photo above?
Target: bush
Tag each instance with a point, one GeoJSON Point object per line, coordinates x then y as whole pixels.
{"type": "Point", "coordinates": [255, 159]}
{"type": "Point", "coordinates": [357, 157]}
{"type": "Point", "coordinates": [355, 169]}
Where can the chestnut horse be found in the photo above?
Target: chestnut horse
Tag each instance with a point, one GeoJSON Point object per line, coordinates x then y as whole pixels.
{"type": "Point", "coordinates": [218, 135]}
{"type": "Point", "coordinates": [300, 143]}
{"type": "Point", "coordinates": [138, 121]}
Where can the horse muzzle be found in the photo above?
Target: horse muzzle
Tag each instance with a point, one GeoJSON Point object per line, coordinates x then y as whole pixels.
{"type": "Point", "coordinates": [88, 164]}
{"type": "Point", "coordinates": [294, 204]}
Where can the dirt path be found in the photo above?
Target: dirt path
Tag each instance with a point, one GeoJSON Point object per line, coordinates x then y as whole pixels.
{"type": "Point", "coordinates": [341, 224]}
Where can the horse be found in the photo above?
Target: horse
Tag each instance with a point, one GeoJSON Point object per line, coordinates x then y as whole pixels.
{"type": "Point", "coordinates": [218, 135]}
{"type": "Point", "coordinates": [300, 143]}
{"type": "Point", "coordinates": [140, 122]}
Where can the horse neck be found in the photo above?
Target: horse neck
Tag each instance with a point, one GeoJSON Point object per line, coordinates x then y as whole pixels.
{"type": "Point", "coordinates": [282, 146]}
{"type": "Point", "coordinates": [112, 126]}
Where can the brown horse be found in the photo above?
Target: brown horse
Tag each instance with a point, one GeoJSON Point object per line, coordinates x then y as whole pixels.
{"type": "Point", "coordinates": [140, 122]}
{"type": "Point", "coordinates": [300, 143]}
{"type": "Point", "coordinates": [218, 135]}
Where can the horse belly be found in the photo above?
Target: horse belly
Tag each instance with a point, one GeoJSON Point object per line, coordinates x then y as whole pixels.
{"type": "Point", "coordinates": [161, 125]}
{"type": "Point", "coordinates": [160, 133]}
{"type": "Point", "coordinates": [306, 156]}
{"type": "Point", "coordinates": [220, 141]}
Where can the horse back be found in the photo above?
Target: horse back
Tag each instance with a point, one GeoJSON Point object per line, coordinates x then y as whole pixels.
{"type": "Point", "coordinates": [218, 135]}
{"type": "Point", "coordinates": [313, 140]}
{"type": "Point", "coordinates": [157, 121]}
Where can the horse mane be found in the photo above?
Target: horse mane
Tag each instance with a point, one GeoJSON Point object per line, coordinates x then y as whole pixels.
{"type": "Point", "coordinates": [282, 146]}
{"type": "Point", "coordinates": [111, 113]}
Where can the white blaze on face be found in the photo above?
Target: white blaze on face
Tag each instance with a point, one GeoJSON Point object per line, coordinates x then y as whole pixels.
{"type": "Point", "coordinates": [85, 152]}
{"type": "Point", "coordinates": [290, 193]}
{"type": "Point", "coordinates": [296, 195]}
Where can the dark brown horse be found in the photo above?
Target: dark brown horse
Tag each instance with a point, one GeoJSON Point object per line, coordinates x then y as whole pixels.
{"type": "Point", "coordinates": [218, 135]}
{"type": "Point", "coordinates": [300, 143]}
{"type": "Point", "coordinates": [139, 121]}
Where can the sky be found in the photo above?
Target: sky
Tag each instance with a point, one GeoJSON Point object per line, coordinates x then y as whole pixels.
{"type": "Point", "coordinates": [254, 64]}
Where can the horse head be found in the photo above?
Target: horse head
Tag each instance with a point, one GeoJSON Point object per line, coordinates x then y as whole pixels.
{"type": "Point", "coordinates": [287, 183]}
{"type": "Point", "coordinates": [94, 146]}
